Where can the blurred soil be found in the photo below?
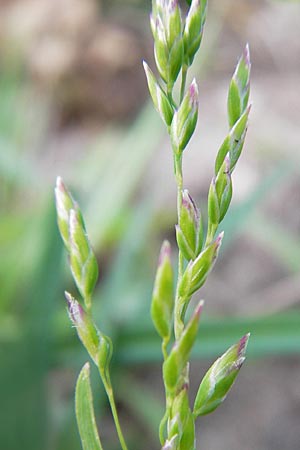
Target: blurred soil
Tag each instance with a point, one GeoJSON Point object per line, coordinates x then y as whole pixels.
{"type": "Point", "coordinates": [88, 61]}
{"type": "Point", "coordinates": [85, 61]}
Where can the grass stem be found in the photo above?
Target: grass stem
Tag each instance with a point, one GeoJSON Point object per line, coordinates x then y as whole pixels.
{"type": "Point", "coordinates": [110, 395]}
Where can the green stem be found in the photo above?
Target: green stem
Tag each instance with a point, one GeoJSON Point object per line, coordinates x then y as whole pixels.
{"type": "Point", "coordinates": [183, 81]}
{"type": "Point", "coordinates": [179, 179]}
{"type": "Point", "coordinates": [178, 323]}
{"type": "Point", "coordinates": [109, 392]}
{"type": "Point", "coordinates": [88, 303]}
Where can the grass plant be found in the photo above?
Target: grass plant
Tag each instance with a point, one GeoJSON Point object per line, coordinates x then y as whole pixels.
{"type": "Point", "coordinates": [177, 39]}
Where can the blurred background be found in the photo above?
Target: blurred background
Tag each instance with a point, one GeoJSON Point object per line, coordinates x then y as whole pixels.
{"type": "Point", "coordinates": [73, 102]}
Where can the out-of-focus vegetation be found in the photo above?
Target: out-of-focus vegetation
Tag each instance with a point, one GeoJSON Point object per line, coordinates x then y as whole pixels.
{"type": "Point", "coordinates": [49, 125]}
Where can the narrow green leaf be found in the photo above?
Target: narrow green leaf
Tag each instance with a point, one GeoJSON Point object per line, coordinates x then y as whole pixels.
{"type": "Point", "coordinates": [85, 412]}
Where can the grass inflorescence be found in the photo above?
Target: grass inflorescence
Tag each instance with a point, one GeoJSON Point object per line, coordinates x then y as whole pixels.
{"type": "Point", "coordinates": [177, 39]}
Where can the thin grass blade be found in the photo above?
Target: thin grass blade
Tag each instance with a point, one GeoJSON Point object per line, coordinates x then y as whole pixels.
{"type": "Point", "coordinates": [85, 411]}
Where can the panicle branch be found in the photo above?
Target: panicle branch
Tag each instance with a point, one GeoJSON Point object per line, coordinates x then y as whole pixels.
{"type": "Point", "coordinates": [176, 42]}
{"type": "Point", "coordinates": [84, 269]}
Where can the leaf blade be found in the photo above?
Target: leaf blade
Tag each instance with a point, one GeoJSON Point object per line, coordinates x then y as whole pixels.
{"type": "Point", "coordinates": [85, 411]}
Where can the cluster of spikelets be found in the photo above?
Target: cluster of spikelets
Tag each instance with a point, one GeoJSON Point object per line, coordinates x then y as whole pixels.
{"type": "Point", "coordinates": [176, 41]}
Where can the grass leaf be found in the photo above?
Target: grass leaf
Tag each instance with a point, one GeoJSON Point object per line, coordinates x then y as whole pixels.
{"type": "Point", "coordinates": [85, 412]}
